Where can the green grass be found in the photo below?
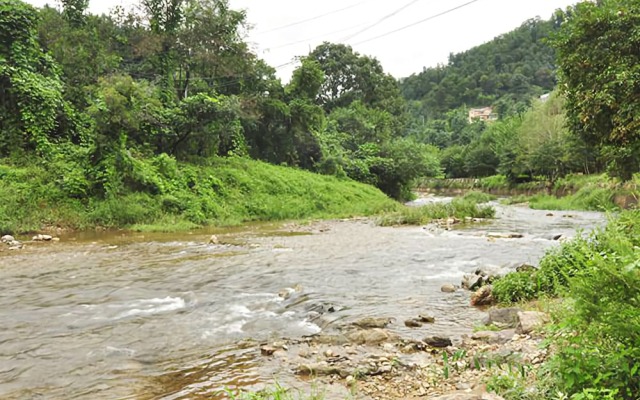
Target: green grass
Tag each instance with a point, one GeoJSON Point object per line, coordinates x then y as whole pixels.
{"type": "Point", "coordinates": [276, 393]}
{"type": "Point", "coordinates": [171, 196]}
{"type": "Point", "coordinates": [458, 208]}
{"type": "Point", "coordinates": [479, 197]}
{"type": "Point", "coordinates": [588, 198]}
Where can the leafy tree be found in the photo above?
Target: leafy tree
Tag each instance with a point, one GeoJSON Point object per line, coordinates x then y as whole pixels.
{"type": "Point", "coordinates": [599, 66]}
{"type": "Point", "coordinates": [31, 101]}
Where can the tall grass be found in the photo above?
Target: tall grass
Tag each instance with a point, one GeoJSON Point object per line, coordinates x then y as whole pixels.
{"type": "Point", "coordinates": [458, 208]}
{"type": "Point", "coordinates": [221, 192]}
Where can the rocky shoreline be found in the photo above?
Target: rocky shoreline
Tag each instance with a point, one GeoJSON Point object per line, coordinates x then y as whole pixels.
{"type": "Point", "coordinates": [365, 359]}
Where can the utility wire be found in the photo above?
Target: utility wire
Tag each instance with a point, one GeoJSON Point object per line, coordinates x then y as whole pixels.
{"type": "Point", "coordinates": [314, 37]}
{"type": "Point", "coordinates": [381, 20]}
{"type": "Point", "coordinates": [418, 22]}
{"type": "Point", "coordinates": [313, 18]}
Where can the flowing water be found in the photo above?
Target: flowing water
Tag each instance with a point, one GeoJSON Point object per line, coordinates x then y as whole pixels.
{"type": "Point", "coordinates": [106, 316]}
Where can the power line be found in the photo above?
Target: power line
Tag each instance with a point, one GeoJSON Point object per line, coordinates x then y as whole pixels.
{"type": "Point", "coordinates": [418, 22]}
{"type": "Point", "coordinates": [314, 37]}
{"type": "Point", "coordinates": [313, 18]}
{"type": "Point", "coordinates": [381, 20]}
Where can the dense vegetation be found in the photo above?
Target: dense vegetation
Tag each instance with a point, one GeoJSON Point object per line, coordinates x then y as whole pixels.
{"type": "Point", "coordinates": [144, 105]}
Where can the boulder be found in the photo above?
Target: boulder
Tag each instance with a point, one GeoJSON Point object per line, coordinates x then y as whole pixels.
{"type": "Point", "coordinates": [448, 288]}
{"type": "Point", "coordinates": [482, 297]}
{"type": "Point", "coordinates": [438, 341]}
{"type": "Point", "coordinates": [528, 321]}
{"type": "Point", "coordinates": [503, 317]}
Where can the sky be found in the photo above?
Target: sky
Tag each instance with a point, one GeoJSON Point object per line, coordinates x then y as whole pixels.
{"type": "Point", "coordinates": [430, 29]}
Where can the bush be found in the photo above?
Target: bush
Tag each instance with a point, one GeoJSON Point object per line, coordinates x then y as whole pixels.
{"type": "Point", "coordinates": [516, 287]}
{"type": "Point", "coordinates": [458, 208]}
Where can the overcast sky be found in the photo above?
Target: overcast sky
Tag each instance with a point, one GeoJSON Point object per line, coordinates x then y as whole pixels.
{"type": "Point", "coordinates": [279, 33]}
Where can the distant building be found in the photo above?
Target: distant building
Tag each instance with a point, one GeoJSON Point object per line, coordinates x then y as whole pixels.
{"type": "Point", "coordinates": [545, 97]}
{"type": "Point", "coordinates": [482, 114]}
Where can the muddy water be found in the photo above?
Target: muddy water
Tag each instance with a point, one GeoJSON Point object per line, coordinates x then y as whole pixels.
{"type": "Point", "coordinates": [164, 316]}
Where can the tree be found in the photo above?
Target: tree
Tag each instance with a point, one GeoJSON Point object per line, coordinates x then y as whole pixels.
{"type": "Point", "coordinates": [599, 66]}
{"type": "Point", "coordinates": [31, 102]}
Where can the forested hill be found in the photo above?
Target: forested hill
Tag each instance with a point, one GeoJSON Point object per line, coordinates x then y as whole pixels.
{"type": "Point", "coordinates": [505, 72]}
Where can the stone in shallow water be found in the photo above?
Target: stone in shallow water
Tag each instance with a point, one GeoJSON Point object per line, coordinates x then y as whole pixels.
{"type": "Point", "coordinates": [448, 288]}
{"type": "Point", "coordinates": [438, 341]}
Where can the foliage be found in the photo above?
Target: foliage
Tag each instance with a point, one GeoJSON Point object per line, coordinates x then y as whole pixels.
{"type": "Point", "coordinates": [588, 198]}
{"type": "Point", "coordinates": [220, 191]}
{"type": "Point", "coordinates": [596, 341]}
{"type": "Point", "coordinates": [598, 63]}
{"type": "Point", "coordinates": [505, 72]}
{"type": "Point", "coordinates": [458, 208]}
{"type": "Point", "coordinates": [31, 102]}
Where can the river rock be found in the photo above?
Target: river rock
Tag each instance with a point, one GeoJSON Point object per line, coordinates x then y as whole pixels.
{"type": "Point", "coordinates": [267, 350]}
{"type": "Point", "coordinates": [370, 336]}
{"type": "Point", "coordinates": [7, 239]}
{"type": "Point", "coordinates": [448, 288]}
{"type": "Point", "coordinates": [412, 323]}
{"type": "Point", "coordinates": [322, 369]}
{"type": "Point", "coordinates": [508, 235]}
{"type": "Point", "coordinates": [427, 319]}
{"type": "Point", "coordinates": [483, 297]}
{"type": "Point", "coordinates": [472, 282]}
{"type": "Point", "coordinates": [42, 238]}
{"type": "Point", "coordinates": [526, 268]}
{"type": "Point", "coordinates": [503, 317]}
{"type": "Point", "coordinates": [438, 341]}
{"type": "Point", "coordinates": [373, 322]}
{"type": "Point", "coordinates": [528, 321]}
{"type": "Point", "coordinates": [213, 239]}
{"type": "Point", "coordinates": [493, 337]}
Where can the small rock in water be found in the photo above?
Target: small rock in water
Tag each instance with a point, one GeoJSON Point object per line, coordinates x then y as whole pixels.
{"type": "Point", "coordinates": [267, 350]}
{"type": "Point", "coordinates": [413, 323]}
{"type": "Point", "coordinates": [350, 380]}
{"type": "Point", "coordinates": [448, 288]}
{"type": "Point", "coordinates": [328, 353]}
{"type": "Point", "coordinates": [438, 342]}
{"type": "Point", "coordinates": [427, 319]}
{"type": "Point", "coordinates": [42, 238]}
{"type": "Point", "coordinates": [213, 239]}
{"type": "Point", "coordinates": [7, 239]}
{"type": "Point", "coordinates": [373, 322]}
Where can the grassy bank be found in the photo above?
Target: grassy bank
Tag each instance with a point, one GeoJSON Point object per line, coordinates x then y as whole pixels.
{"type": "Point", "coordinates": [573, 192]}
{"type": "Point", "coordinates": [595, 339]}
{"type": "Point", "coordinates": [460, 208]}
{"type": "Point", "coordinates": [172, 196]}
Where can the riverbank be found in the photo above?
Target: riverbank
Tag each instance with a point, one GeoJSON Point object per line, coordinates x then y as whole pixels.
{"type": "Point", "coordinates": [173, 196]}
{"type": "Point", "coordinates": [573, 192]}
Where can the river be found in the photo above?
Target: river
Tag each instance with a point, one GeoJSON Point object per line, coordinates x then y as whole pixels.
{"type": "Point", "coordinates": [163, 316]}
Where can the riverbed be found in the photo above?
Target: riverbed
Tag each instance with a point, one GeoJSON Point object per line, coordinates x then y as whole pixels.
{"type": "Point", "coordinates": [141, 316]}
